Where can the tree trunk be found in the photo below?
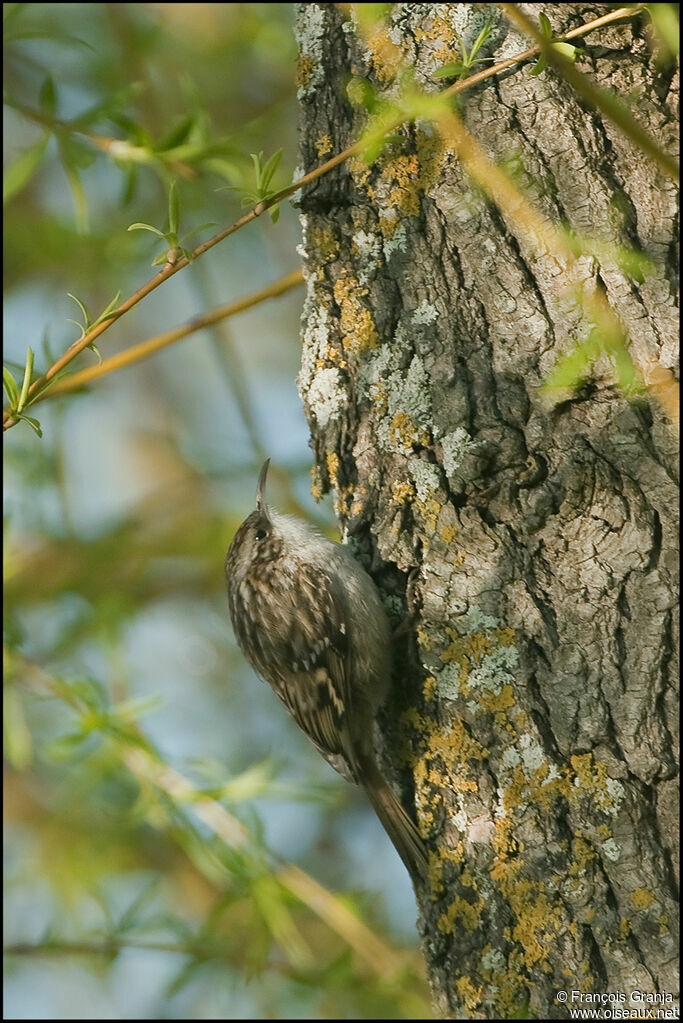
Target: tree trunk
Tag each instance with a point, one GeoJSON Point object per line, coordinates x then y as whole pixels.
{"type": "Point", "coordinates": [534, 725]}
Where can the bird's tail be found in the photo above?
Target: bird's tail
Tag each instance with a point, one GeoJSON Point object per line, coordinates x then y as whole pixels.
{"type": "Point", "coordinates": [395, 820]}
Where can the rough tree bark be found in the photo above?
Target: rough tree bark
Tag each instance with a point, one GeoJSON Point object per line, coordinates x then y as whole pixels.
{"type": "Point", "coordinates": [534, 728]}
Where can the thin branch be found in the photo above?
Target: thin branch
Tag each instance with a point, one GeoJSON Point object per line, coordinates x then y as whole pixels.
{"type": "Point", "coordinates": [533, 51]}
{"type": "Point", "coordinates": [111, 947]}
{"type": "Point", "coordinates": [169, 270]}
{"type": "Point", "coordinates": [546, 238]}
{"type": "Point", "coordinates": [144, 763]}
{"type": "Point", "coordinates": [153, 344]}
{"type": "Point", "coordinates": [376, 953]}
{"type": "Point", "coordinates": [608, 103]}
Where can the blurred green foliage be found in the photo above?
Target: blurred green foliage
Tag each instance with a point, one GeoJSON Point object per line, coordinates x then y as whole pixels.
{"type": "Point", "coordinates": [131, 721]}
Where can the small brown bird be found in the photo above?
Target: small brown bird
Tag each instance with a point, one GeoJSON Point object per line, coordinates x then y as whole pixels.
{"type": "Point", "coordinates": [310, 621]}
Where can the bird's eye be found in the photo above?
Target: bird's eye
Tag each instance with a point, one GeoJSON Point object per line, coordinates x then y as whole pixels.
{"type": "Point", "coordinates": [259, 534]}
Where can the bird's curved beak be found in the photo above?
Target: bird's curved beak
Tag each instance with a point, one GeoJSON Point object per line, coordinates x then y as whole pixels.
{"type": "Point", "coordinates": [261, 489]}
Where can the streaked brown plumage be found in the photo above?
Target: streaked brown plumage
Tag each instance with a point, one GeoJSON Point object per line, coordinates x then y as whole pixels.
{"type": "Point", "coordinates": [310, 621]}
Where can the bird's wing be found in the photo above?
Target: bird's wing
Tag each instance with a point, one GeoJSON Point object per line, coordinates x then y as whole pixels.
{"type": "Point", "coordinates": [302, 651]}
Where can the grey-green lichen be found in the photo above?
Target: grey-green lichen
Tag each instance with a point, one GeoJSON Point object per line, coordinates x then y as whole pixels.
{"type": "Point", "coordinates": [425, 313]}
{"type": "Point", "coordinates": [495, 670]}
{"type": "Point", "coordinates": [327, 397]}
{"type": "Point", "coordinates": [310, 32]}
{"type": "Point", "coordinates": [454, 446]}
{"type": "Point", "coordinates": [316, 339]}
{"type": "Point", "coordinates": [395, 242]}
{"type": "Point", "coordinates": [402, 399]}
{"type": "Point", "coordinates": [425, 477]}
{"type": "Point", "coordinates": [367, 249]}
{"type": "Point", "coordinates": [611, 850]}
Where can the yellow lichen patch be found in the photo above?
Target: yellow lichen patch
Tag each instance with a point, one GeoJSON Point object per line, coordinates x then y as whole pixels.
{"type": "Point", "coordinates": [505, 637]}
{"type": "Point", "coordinates": [304, 71]}
{"type": "Point", "coordinates": [333, 467]}
{"type": "Point", "coordinates": [459, 783]}
{"type": "Point", "coordinates": [378, 392]}
{"type": "Point", "coordinates": [441, 32]}
{"type": "Point", "coordinates": [323, 146]}
{"type": "Point", "coordinates": [334, 356]}
{"type": "Point", "coordinates": [316, 484]}
{"type": "Point", "coordinates": [326, 243]}
{"type": "Point", "coordinates": [624, 927]}
{"type": "Point", "coordinates": [430, 512]}
{"type": "Point", "coordinates": [470, 994]}
{"type": "Point", "coordinates": [342, 499]}
{"type": "Point", "coordinates": [405, 172]}
{"type": "Point", "coordinates": [410, 176]}
{"type": "Point", "coordinates": [429, 687]}
{"type": "Point", "coordinates": [385, 56]}
{"type": "Point", "coordinates": [423, 638]}
{"type": "Point", "coordinates": [402, 492]}
{"type": "Point", "coordinates": [591, 777]}
{"type": "Point", "coordinates": [360, 171]}
{"type": "Point", "coordinates": [455, 746]}
{"type": "Point", "coordinates": [583, 853]}
{"type": "Point", "coordinates": [432, 152]}
{"type": "Point", "coordinates": [357, 326]}
{"type": "Point", "coordinates": [403, 433]}
{"type": "Point", "coordinates": [389, 220]}
{"type": "Point", "coordinates": [472, 647]}
{"type": "Point", "coordinates": [437, 862]}
{"type": "Point", "coordinates": [538, 922]}
{"type": "Point", "coordinates": [642, 898]}
{"type": "Point", "coordinates": [448, 533]}
{"type": "Point", "coordinates": [446, 754]}
{"type": "Point", "coordinates": [461, 914]}
{"type": "Point", "coordinates": [496, 702]}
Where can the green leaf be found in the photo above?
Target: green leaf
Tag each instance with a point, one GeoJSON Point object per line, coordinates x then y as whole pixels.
{"type": "Point", "coordinates": [483, 36]}
{"type": "Point", "coordinates": [57, 37]}
{"type": "Point", "coordinates": [177, 135]}
{"type": "Point", "coordinates": [47, 97]}
{"type": "Point", "coordinates": [18, 745]}
{"type": "Point", "coordinates": [546, 27]}
{"type": "Point", "coordinates": [21, 170]}
{"type": "Point", "coordinates": [80, 203]}
{"type": "Point", "coordinates": [173, 209]}
{"type": "Point", "coordinates": [146, 227]}
{"type": "Point", "coordinates": [269, 170]}
{"type": "Point", "coordinates": [105, 312]}
{"type": "Point", "coordinates": [66, 747]}
{"type": "Point", "coordinates": [361, 93]}
{"type": "Point", "coordinates": [33, 423]}
{"type": "Point", "coordinates": [11, 389]}
{"type": "Point", "coordinates": [665, 23]}
{"type": "Point", "coordinates": [540, 65]}
{"type": "Point", "coordinates": [28, 371]}
{"type": "Point", "coordinates": [76, 154]}
{"type": "Point", "coordinates": [568, 51]}
{"type": "Point", "coordinates": [81, 306]}
{"type": "Point", "coordinates": [449, 70]}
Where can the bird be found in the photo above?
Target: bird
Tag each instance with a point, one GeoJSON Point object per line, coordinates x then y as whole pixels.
{"type": "Point", "coordinates": [310, 621]}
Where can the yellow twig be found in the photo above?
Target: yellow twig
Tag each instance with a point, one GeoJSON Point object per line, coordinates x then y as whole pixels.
{"type": "Point", "coordinates": [546, 238]}
{"type": "Point", "coordinates": [39, 385]}
{"type": "Point", "coordinates": [598, 98]}
{"type": "Point", "coordinates": [153, 344]}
